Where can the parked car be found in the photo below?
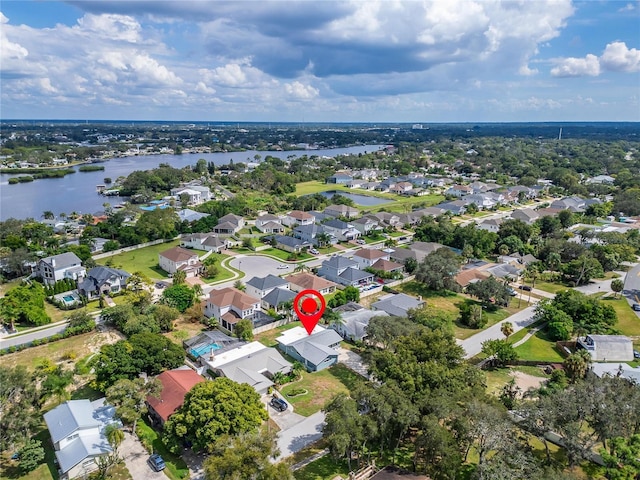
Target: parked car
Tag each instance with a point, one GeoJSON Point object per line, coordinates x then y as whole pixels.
{"type": "Point", "coordinates": [636, 354]}
{"type": "Point", "coordinates": [512, 292]}
{"type": "Point", "coordinates": [156, 462]}
{"type": "Point", "coordinates": [360, 241]}
{"type": "Point", "coordinates": [313, 251]}
{"type": "Point", "coordinates": [282, 267]}
{"type": "Point", "coordinates": [636, 307]}
{"type": "Point", "coordinates": [160, 285]}
{"type": "Point", "coordinates": [526, 288]}
{"type": "Point", "coordinates": [278, 404]}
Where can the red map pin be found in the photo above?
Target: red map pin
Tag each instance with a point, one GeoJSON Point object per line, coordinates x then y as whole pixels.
{"type": "Point", "coordinates": [309, 309]}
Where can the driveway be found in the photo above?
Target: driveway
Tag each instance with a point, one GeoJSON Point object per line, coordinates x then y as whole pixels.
{"type": "Point", "coordinates": [353, 361]}
{"type": "Point", "coordinates": [473, 345]}
{"type": "Point", "coordinates": [284, 420]}
{"type": "Point", "coordinates": [135, 458]}
{"type": "Point", "coordinates": [297, 437]}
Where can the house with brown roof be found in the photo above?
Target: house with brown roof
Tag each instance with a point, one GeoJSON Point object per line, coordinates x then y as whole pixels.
{"type": "Point", "coordinates": [229, 306]}
{"type": "Point", "coordinates": [366, 257]}
{"type": "Point", "coordinates": [387, 266]}
{"type": "Point", "coordinates": [298, 217]}
{"type": "Point", "coordinates": [467, 277]}
{"type": "Point", "coordinates": [308, 281]}
{"type": "Point", "coordinates": [178, 258]}
{"type": "Point", "coordinates": [527, 215]}
{"type": "Point", "coordinates": [401, 188]}
{"type": "Point", "coordinates": [175, 385]}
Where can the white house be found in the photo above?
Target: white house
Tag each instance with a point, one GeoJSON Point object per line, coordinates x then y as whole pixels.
{"type": "Point", "coordinates": [366, 257]}
{"type": "Point", "coordinates": [230, 305]}
{"type": "Point", "coordinates": [77, 429]}
{"type": "Point", "coordinates": [178, 258]}
{"type": "Point", "coordinates": [259, 287]}
{"type": "Point", "coordinates": [210, 242]}
{"type": "Point", "coordinates": [298, 217]}
{"type": "Point", "coordinates": [58, 267]}
{"type": "Point", "coordinates": [269, 223]}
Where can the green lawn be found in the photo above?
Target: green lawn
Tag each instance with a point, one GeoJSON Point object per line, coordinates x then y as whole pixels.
{"type": "Point", "coordinates": [540, 349]}
{"type": "Point", "coordinates": [307, 188]}
{"type": "Point", "coordinates": [284, 256]}
{"type": "Point", "coordinates": [325, 468]}
{"type": "Point", "coordinates": [47, 471]}
{"type": "Point", "coordinates": [144, 260]}
{"type": "Point", "coordinates": [176, 467]}
{"type": "Point", "coordinates": [321, 387]}
{"type": "Point", "coordinates": [550, 287]}
{"type": "Point", "coordinates": [268, 338]}
{"type": "Point", "coordinates": [628, 321]}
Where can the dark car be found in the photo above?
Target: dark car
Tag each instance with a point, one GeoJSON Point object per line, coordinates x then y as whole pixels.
{"type": "Point", "coordinates": [278, 404]}
{"type": "Point", "coordinates": [160, 285]}
{"type": "Point", "coordinates": [156, 462]}
{"type": "Point", "coordinates": [526, 288]}
{"type": "Point", "coordinates": [636, 307]}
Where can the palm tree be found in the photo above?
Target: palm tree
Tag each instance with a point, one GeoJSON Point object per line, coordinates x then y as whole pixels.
{"type": "Point", "coordinates": [179, 277]}
{"type": "Point", "coordinates": [197, 290]}
{"type": "Point", "coordinates": [301, 267]}
{"type": "Point", "coordinates": [507, 329]}
{"type": "Point", "coordinates": [239, 285]}
{"type": "Point", "coordinates": [115, 437]}
{"type": "Point", "coordinates": [296, 369]}
{"type": "Point", "coordinates": [48, 215]}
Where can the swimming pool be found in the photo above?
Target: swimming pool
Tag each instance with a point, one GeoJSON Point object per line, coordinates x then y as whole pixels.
{"type": "Point", "coordinates": [204, 349]}
{"type": "Point", "coordinates": [69, 298]}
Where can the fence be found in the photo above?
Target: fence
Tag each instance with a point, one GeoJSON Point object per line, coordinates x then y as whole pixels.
{"type": "Point", "coordinates": [130, 249]}
{"type": "Point", "coordinates": [270, 326]}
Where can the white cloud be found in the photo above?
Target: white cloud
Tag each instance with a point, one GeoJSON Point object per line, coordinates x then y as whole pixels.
{"type": "Point", "coordinates": [300, 91]}
{"type": "Point", "coordinates": [577, 67]}
{"type": "Point", "coordinates": [618, 58]}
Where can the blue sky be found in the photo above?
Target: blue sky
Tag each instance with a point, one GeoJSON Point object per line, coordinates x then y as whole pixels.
{"type": "Point", "coordinates": [347, 61]}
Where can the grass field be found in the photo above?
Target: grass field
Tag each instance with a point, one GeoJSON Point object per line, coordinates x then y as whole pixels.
{"type": "Point", "coordinates": [324, 468]}
{"type": "Point", "coordinates": [268, 338]}
{"type": "Point", "coordinates": [321, 387]}
{"type": "Point", "coordinates": [47, 471]}
{"type": "Point", "coordinates": [143, 260]}
{"type": "Point", "coordinates": [550, 287]}
{"type": "Point", "coordinates": [540, 349]}
{"type": "Point", "coordinates": [628, 321]}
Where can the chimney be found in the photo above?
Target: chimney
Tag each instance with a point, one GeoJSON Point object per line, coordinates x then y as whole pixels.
{"type": "Point", "coordinates": [53, 262]}
{"type": "Point", "coordinates": [211, 355]}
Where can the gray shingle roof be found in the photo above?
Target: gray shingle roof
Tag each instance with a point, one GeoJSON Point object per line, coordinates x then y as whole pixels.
{"type": "Point", "coordinates": [397, 305]}
{"type": "Point", "coordinates": [279, 296]}
{"type": "Point", "coordinates": [354, 275]}
{"type": "Point", "coordinates": [264, 283]}
{"type": "Point", "coordinates": [315, 348]}
{"type": "Point", "coordinates": [63, 260]}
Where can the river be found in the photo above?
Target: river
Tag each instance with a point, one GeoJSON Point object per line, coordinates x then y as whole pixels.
{"type": "Point", "coordinates": [77, 192]}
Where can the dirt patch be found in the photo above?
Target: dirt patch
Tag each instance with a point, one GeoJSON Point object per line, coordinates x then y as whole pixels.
{"type": "Point", "coordinates": [526, 381]}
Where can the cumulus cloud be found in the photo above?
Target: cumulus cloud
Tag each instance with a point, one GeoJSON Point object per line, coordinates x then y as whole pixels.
{"type": "Point", "coordinates": [616, 58]}
{"type": "Point", "coordinates": [300, 91]}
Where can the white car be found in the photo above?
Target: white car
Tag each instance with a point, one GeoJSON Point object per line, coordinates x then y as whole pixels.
{"type": "Point", "coordinates": [313, 251]}
{"type": "Point", "coordinates": [282, 267]}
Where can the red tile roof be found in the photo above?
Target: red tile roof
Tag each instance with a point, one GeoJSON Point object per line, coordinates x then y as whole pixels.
{"type": "Point", "coordinates": [175, 385]}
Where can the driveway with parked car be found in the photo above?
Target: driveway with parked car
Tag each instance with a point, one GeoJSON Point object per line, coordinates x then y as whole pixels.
{"type": "Point", "coordinates": [137, 459]}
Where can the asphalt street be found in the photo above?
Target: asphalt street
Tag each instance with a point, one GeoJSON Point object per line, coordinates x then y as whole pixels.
{"type": "Point", "coordinates": [29, 337]}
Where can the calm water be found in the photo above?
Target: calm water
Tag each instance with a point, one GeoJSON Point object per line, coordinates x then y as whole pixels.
{"type": "Point", "coordinates": [77, 192]}
{"type": "Point", "coordinates": [364, 200]}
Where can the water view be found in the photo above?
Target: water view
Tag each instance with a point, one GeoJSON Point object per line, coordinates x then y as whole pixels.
{"type": "Point", "coordinates": [77, 192]}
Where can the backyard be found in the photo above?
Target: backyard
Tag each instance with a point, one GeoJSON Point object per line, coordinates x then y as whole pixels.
{"type": "Point", "coordinates": [320, 387]}
{"type": "Point", "coordinates": [143, 260]}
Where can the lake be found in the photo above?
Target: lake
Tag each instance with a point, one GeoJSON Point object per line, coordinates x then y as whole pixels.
{"type": "Point", "coordinates": [363, 200]}
{"type": "Point", "coordinates": [77, 192]}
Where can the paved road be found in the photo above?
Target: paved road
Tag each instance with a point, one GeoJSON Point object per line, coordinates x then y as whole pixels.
{"type": "Point", "coordinates": [632, 286]}
{"type": "Point", "coordinates": [29, 337]}
{"type": "Point", "coordinates": [520, 320]}
{"type": "Point", "coordinates": [135, 458]}
{"type": "Point", "coordinates": [300, 435]}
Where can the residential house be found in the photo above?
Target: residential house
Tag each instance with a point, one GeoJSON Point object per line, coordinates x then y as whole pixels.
{"type": "Point", "coordinates": [527, 215]}
{"type": "Point", "coordinates": [298, 217]}
{"type": "Point", "coordinates": [178, 258]}
{"type": "Point", "coordinates": [527, 192]}
{"type": "Point", "coordinates": [316, 351]}
{"type": "Point", "coordinates": [77, 429]}
{"type": "Point", "coordinates": [344, 271]}
{"type": "Point", "coordinates": [279, 299]}
{"type": "Point", "coordinates": [387, 219]}
{"type": "Point", "coordinates": [339, 178]}
{"type": "Point", "coordinates": [465, 278]}
{"type": "Point", "coordinates": [344, 211]}
{"type": "Point", "coordinates": [194, 197]}
{"type": "Point", "coordinates": [343, 231]}
{"type": "Point", "coordinates": [321, 217]}
{"type": "Point", "coordinates": [401, 188]}
{"type": "Point", "coordinates": [607, 348]}
{"type": "Point", "coordinates": [59, 267]}
{"type": "Point", "coordinates": [366, 257]}
{"type": "Point", "coordinates": [601, 180]}
{"type": "Point", "coordinates": [459, 191]}
{"type": "Point", "coordinates": [409, 219]}
{"type": "Point", "coordinates": [97, 244]}
{"type": "Point", "coordinates": [308, 281]}
{"type": "Point", "coordinates": [259, 287]}
{"type": "Point", "coordinates": [229, 224]}
{"type": "Point", "coordinates": [252, 363]}
{"type": "Point", "coordinates": [229, 305]}
{"type": "Point", "coordinates": [289, 244]}
{"type": "Point", "coordinates": [370, 185]}
{"type": "Point", "coordinates": [491, 225]}
{"type": "Point", "coordinates": [365, 225]}
{"type": "Point", "coordinates": [102, 281]}
{"type": "Point", "coordinates": [456, 207]}
{"type": "Point", "coordinates": [175, 385]}
{"type": "Point", "coordinates": [621, 370]}
{"type": "Point", "coordinates": [429, 212]}
{"type": "Point", "coordinates": [355, 183]}
{"type": "Point", "coordinates": [397, 305]}
{"type": "Point", "coordinates": [482, 201]}
{"type": "Point", "coordinates": [574, 203]}
{"type": "Point", "coordinates": [353, 325]}
{"type": "Point", "coordinates": [188, 215]}
{"type": "Point", "coordinates": [210, 242]}
{"type": "Point", "coordinates": [313, 234]}
{"type": "Point", "coordinates": [269, 223]}
{"type": "Point", "coordinates": [387, 266]}
{"type": "Point", "coordinates": [422, 249]}
{"type": "Point", "coordinates": [401, 255]}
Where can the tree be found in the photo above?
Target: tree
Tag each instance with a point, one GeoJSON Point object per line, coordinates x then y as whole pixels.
{"type": "Point", "coordinates": [158, 223]}
{"type": "Point", "coordinates": [617, 286]}
{"type": "Point", "coordinates": [577, 365]}
{"type": "Point", "coordinates": [195, 313]}
{"type": "Point", "coordinates": [501, 352]}
{"type": "Point", "coordinates": [507, 329]}
{"type": "Point", "coordinates": [19, 400]}
{"type": "Point", "coordinates": [129, 397]}
{"type": "Point", "coordinates": [490, 292]}
{"type": "Point", "coordinates": [410, 265]}
{"type": "Point", "coordinates": [211, 409]}
{"type": "Point", "coordinates": [581, 270]}
{"type": "Point", "coordinates": [472, 315]}
{"type": "Point", "coordinates": [623, 461]}
{"type": "Point", "coordinates": [352, 294]}
{"type": "Point", "coordinates": [180, 296]}
{"type": "Point", "coordinates": [246, 456]}
{"type": "Point", "coordinates": [559, 324]}
{"type": "Point", "coordinates": [239, 285]}
{"type": "Point", "coordinates": [438, 269]}
{"type": "Point", "coordinates": [165, 315]}
{"type": "Point", "coordinates": [31, 455]}
{"type": "Point", "coordinates": [515, 227]}
{"type": "Point", "coordinates": [179, 277]}
{"type": "Point", "coordinates": [115, 437]}
{"type": "Point", "coordinates": [244, 329]}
